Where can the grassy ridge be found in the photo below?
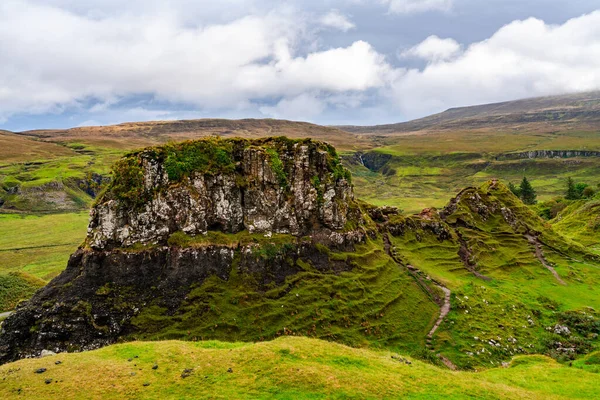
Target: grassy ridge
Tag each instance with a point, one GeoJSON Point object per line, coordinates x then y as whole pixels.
{"type": "Point", "coordinates": [287, 368]}
{"type": "Point", "coordinates": [522, 302]}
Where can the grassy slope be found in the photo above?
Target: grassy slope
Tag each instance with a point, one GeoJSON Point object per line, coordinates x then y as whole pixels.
{"type": "Point", "coordinates": [287, 368]}
{"type": "Point", "coordinates": [39, 245]}
{"type": "Point", "coordinates": [580, 221]}
{"type": "Point", "coordinates": [17, 286]}
{"type": "Point", "coordinates": [376, 304]}
{"type": "Point", "coordinates": [17, 148]}
{"type": "Point", "coordinates": [430, 166]}
{"type": "Point", "coordinates": [521, 290]}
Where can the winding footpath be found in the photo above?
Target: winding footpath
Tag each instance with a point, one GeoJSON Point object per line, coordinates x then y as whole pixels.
{"type": "Point", "coordinates": [444, 307]}
{"type": "Point", "coordinates": [540, 256]}
{"type": "Point", "coordinates": [443, 311]}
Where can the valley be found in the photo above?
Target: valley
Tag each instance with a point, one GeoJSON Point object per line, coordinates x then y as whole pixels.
{"type": "Point", "coordinates": [435, 258]}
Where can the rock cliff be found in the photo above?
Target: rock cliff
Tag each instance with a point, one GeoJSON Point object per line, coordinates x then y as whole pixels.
{"type": "Point", "coordinates": [177, 215]}
{"type": "Point", "coordinates": [265, 186]}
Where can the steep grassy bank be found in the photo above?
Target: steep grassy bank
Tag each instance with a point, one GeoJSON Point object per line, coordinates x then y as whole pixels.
{"type": "Point", "coordinates": [287, 368]}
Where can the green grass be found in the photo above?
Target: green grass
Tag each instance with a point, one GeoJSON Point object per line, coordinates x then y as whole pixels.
{"type": "Point", "coordinates": [17, 286]}
{"type": "Point", "coordinates": [39, 245]}
{"type": "Point", "coordinates": [580, 221]}
{"type": "Point", "coordinates": [520, 291]}
{"type": "Point", "coordinates": [287, 368]}
{"type": "Point", "coordinates": [375, 304]}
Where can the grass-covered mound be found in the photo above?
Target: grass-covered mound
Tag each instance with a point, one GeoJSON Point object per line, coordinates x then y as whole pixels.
{"type": "Point", "coordinates": [363, 298]}
{"type": "Point", "coordinates": [492, 252]}
{"type": "Point", "coordinates": [287, 368]}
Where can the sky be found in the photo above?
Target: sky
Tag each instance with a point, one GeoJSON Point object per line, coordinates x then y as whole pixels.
{"type": "Point", "coordinates": [68, 63]}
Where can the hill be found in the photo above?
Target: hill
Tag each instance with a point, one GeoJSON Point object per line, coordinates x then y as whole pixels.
{"type": "Point", "coordinates": [139, 134]}
{"type": "Point", "coordinates": [287, 368]}
{"type": "Point", "coordinates": [249, 240]}
{"type": "Point", "coordinates": [581, 110]}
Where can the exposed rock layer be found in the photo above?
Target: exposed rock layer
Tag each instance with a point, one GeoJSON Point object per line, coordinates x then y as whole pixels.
{"type": "Point", "coordinates": [253, 194]}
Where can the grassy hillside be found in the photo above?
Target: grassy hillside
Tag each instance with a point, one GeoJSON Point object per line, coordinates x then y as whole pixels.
{"type": "Point", "coordinates": [17, 286]}
{"type": "Point", "coordinates": [580, 221]}
{"type": "Point", "coordinates": [374, 304]}
{"type": "Point", "coordinates": [424, 171]}
{"type": "Point", "coordinates": [39, 245]}
{"type": "Point", "coordinates": [287, 368]}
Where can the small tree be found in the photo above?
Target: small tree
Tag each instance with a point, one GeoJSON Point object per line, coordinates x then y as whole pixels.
{"type": "Point", "coordinates": [528, 194]}
{"type": "Point", "coordinates": [515, 190]}
{"type": "Point", "coordinates": [571, 190]}
{"type": "Point", "coordinates": [580, 188]}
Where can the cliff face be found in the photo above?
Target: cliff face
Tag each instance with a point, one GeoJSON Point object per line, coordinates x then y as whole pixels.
{"type": "Point", "coordinates": [177, 215]}
{"type": "Point", "coordinates": [266, 186]}
{"type": "Point", "coordinates": [548, 154]}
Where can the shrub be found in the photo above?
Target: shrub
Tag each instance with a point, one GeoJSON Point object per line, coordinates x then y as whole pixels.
{"type": "Point", "coordinates": [278, 167]}
{"type": "Point", "coordinates": [588, 192]}
{"type": "Point", "coordinates": [128, 181]}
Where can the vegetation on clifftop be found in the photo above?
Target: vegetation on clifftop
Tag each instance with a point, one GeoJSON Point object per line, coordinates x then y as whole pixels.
{"type": "Point", "coordinates": [209, 156]}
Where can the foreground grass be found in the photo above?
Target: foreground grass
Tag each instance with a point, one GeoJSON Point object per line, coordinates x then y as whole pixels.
{"type": "Point", "coordinates": [287, 368]}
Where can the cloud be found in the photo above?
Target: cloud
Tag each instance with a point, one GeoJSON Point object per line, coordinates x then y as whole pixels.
{"type": "Point", "coordinates": [334, 19]}
{"type": "Point", "coordinates": [418, 6]}
{"type": "Point", "coordinates": [64, 59]}
{"type": "Point", "coordinates": [523, 59]}
{"type": "Point", "coordinates": [305, 107]}
{"type": "Point", "coordinates": [99, 62]}
{"type": "Point", "coordinates": [434, 49]}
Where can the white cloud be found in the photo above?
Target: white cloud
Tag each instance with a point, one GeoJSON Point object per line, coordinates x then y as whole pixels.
{"type": "Point", "coordinates": [63, 58]}
{"type": "Point", "coordinates": [335, 19]}
{"type": "Point", "coordinates": [523, 59]}
{"type": "Point", "coordinates": [240, 63]}
{"type": "Point", "coordinates": [302, 107]}
{"type": "Point", "coordinates": [434, 49]}
{"type": "Point", "coordinates": [418, 6]}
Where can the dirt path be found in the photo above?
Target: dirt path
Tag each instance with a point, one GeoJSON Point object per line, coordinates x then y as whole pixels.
{"type": "Point", "coordinates": [540, 255]}
{"type": "Point", "coordinates": [443, 303]}
{"type": "Point", "coordinates": [443, 311]}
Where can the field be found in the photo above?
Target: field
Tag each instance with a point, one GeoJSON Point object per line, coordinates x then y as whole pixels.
{"type": "Point", "coordinates": [287, 368]}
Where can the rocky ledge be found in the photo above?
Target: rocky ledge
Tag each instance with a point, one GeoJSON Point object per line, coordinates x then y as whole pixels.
{"type": "Point", "coordinates": [274, 185]}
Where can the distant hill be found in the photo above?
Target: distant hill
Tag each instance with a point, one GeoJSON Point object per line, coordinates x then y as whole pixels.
{"type": "Point", "coordinates": [139, 134]}
{"type": "Point", "coordinates": [581, 110]}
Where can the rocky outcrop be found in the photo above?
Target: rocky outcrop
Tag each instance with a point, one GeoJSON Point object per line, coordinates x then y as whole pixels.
{"type": "Point", "coordinates": [267, 186]}
{"type": "Point", "coordinates": [547, 154]}
{"type": "Point", "coordinates": [174, 216]}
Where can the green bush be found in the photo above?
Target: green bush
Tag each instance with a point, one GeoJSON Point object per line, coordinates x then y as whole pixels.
{"type": "Point", "coordinates": [202, 156]}
{"type": "Point", "coordinates": [128, 181]}
{"type": "Point", "coordinates": [278, 167]}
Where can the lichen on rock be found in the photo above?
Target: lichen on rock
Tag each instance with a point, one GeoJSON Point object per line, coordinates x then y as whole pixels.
{"type": "Point", "coordinates": [273, 185]}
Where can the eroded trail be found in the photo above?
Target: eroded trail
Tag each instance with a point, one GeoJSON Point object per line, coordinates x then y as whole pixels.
{"type": "Point", "coordinates": [443, 303]}
{"type": "Point", "coordinates": [443, 311]}
{"type": "Point", "coordinates": [540, 256]}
